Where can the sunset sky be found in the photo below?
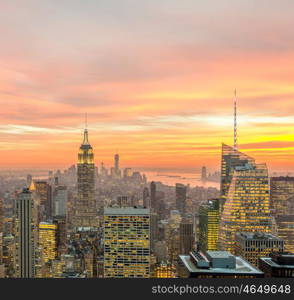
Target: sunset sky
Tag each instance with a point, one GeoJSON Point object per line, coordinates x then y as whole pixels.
{"type": "Point", "coordinates": [156, 78]}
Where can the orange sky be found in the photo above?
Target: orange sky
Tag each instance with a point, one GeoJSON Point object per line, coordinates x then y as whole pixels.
{"type": "Point", "coordinates": [156, 80]}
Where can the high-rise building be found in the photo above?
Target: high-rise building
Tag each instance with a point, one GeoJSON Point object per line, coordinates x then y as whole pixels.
{"type": "Point", "coordinates": [29, 180]}
{"type": "Point", "coordinates": [282, 205]}
{"type": "Point", "coordinates": [285, 231]}
{"type": "Point", "coordinates": [247, 205]}
{"type": "Point", "coordinates": [1, 214]}
{"type": "Point", "coordinates": [43, 192]}
{"type": "Point", "coordinates": [122, 201]}
{"type": "Point", "coordinates": [25, 235]}
{"type": "Point", "coordinates": [252, 246]}
{"type": "Point", "coordinates": [48, 240]}
{"type": "Point", "coordinates": [164, 270]}
{"type": "Point", "coordinates": [60, 222]}
{"type": "Point", "coordinates": [187, 236]}
{"type": "Point", "coordinates": [85, 207]}
{"type": "Point", "coordinates": [60, 197]}
{"type": "Point", "coordinates": [208, 226]}
{"type": "Point", "coordinates": [146, 198]}
{"type": "Point", "coordinates": [277, 265]}
{"type": "Point", "coordinates": [116, 162]}
{"type": "Point", "coordinates": [181, 191]}
{"type": "Point", "coordinates": [231, 158]}
{"type": "Point", "coordinates": [203, 174]}
{"type": "Point", "coordinates": [126, 242]}
{"type": "Point", "coordinates": [153, 204]}
{"type": "Point", "coordinates": [282, 195]}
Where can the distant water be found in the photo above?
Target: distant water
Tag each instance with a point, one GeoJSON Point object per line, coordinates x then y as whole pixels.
{"type": "Point", "coordinates": [170, 178]}
{"type": "Point", "coordinates": [166, 177]}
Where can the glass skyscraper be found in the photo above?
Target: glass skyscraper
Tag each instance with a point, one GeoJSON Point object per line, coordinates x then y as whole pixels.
{"type": "Point", "coordinates": [208, 225]}
{"type": "Point", "coordinates": [231, 158]}
{"type": "Point", "coordinates": [247, 204]}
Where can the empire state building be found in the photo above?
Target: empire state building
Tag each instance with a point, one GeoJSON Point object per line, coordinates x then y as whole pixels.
{"type": "Point", "coordinates": [85, 208]}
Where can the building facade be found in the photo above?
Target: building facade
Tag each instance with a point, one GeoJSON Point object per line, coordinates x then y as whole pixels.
{"type": "Point", "coordinates": [48, 240]}
{"type": "Point", "coordinates": [208, 227]}
{"type": "Point", "coordinates": [181, 196]}
{"type": "Point", "coordinates": [25, 235]}
{"type": "Point", "coordinates": [230, 159]}
{"type": "Point", "coordinates": [247, 205]}
{"type": "Point", "coordinates": [252, 246]}
{"type": "Point", "coordinates": [126, 242]}
{"type": "Point", "coordinates": [85, 207]}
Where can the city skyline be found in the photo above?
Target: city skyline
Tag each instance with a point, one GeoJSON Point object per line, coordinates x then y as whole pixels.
{"type": "Point", "coordinates": [164, 100]}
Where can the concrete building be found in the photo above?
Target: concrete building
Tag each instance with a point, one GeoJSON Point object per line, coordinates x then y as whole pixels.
{"type": "Point", "coordinates": [253, 245]}
{"type": "Point", "coordinates": [216, 264]}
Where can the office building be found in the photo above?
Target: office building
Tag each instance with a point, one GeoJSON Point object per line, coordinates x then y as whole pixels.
{"type": "Point", "coordinates": [216, 264]}
{"type": "Point", "coordinates": [164, 270]}
{"type": "Point", "coordinates": [203, 174]}
{"type": "Point", "coordinates": [187, 236]}
{"type": "Point", "coordinates": [247, 205]}
{"type": "Point", "coordinates": [146, 198]}
{"type": "Point", "coordinates": [126, 242]}
{"type": "Point", "coordinates": [153, 204]}
{"type": "Point", "coordinates": [60, 197]}
{"type": "Point", "coordinates": [48, 240]}
{"type": "Point", "coordinates": [208, 227]}
{"type": "Point", "coordinates": [181, 191]}
{"type": "Point", "coordinates": [230, 159]}
{"type": "Point", "coordinates": [43, 192]}
{"type": "Point", "coordinates": [253, 245]}
{"type": "Point", "coordinates": [85, 207]}
{"type": "Point", "coordinates": [25, 235]}
{"type": "Point", "coordinates": [281, 195]}
{"type": "Point", "coordinates": [278, 265]}
{"type": "Point", "coordinates": [285, 231]}
{"type": "Point", "coordinates": [282, 206]}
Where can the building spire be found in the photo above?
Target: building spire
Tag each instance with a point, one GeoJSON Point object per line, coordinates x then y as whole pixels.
{"type": "Point", "coordinates": [86, 138]}
{"type": "Point", "coordinates": [235, 122]}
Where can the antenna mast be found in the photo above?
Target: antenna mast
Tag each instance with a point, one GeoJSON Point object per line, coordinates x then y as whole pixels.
{"type": "Point", "coordinates": [235, 122]}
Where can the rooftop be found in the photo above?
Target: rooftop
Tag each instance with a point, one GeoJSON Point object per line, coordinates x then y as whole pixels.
{"type": "Point", "coordinates": [125, 211]}
{"type": "Point", "coordinates": [219, 254]}
{"type": "Point", "coordinates": [242, 267]}
{"type": "Point", "coordinates": [257, 236]}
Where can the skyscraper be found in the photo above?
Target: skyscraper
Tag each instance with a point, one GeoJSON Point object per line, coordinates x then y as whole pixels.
{"type": "Point", "coordinates": [282, 195]}
{"type": "Point", "coordinates": [48, 240]}
{"type": "Point", "coordinates": [126, 242]}
{"type": "Point", "coordinates": [230, 159]}
{"type": "Point", "coordinates": [60, 197]}
{"type": "Point", "coordinates": [1, 214]}
{"type": "Point", "coordinates": [146, 198]}
{"type": "Point", "coordinates": [43, 192]}
{"type": "Point", "coordinates": [208, 225]}
{"type": "Point", "coordinates": [247, 205]}
{"type": "Point", "coordinates": [25, 235]}
{"type": "Point", "coordinates": [282, 205]}
{"type": "Point", "coordinates": [187, 236]}
{"type": "Point", "coordinates": [203, 174]}
{"type": "Point", "coordinates": [153, 204]}
{"type": "Point", "coordinates": [116, 162]}
{"type": "Point", "coordinates": [285, 231]}
{"type": "Point", "coordinates": [85, 208]}
{"type": "Point", "coordinates": [181, 191]}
